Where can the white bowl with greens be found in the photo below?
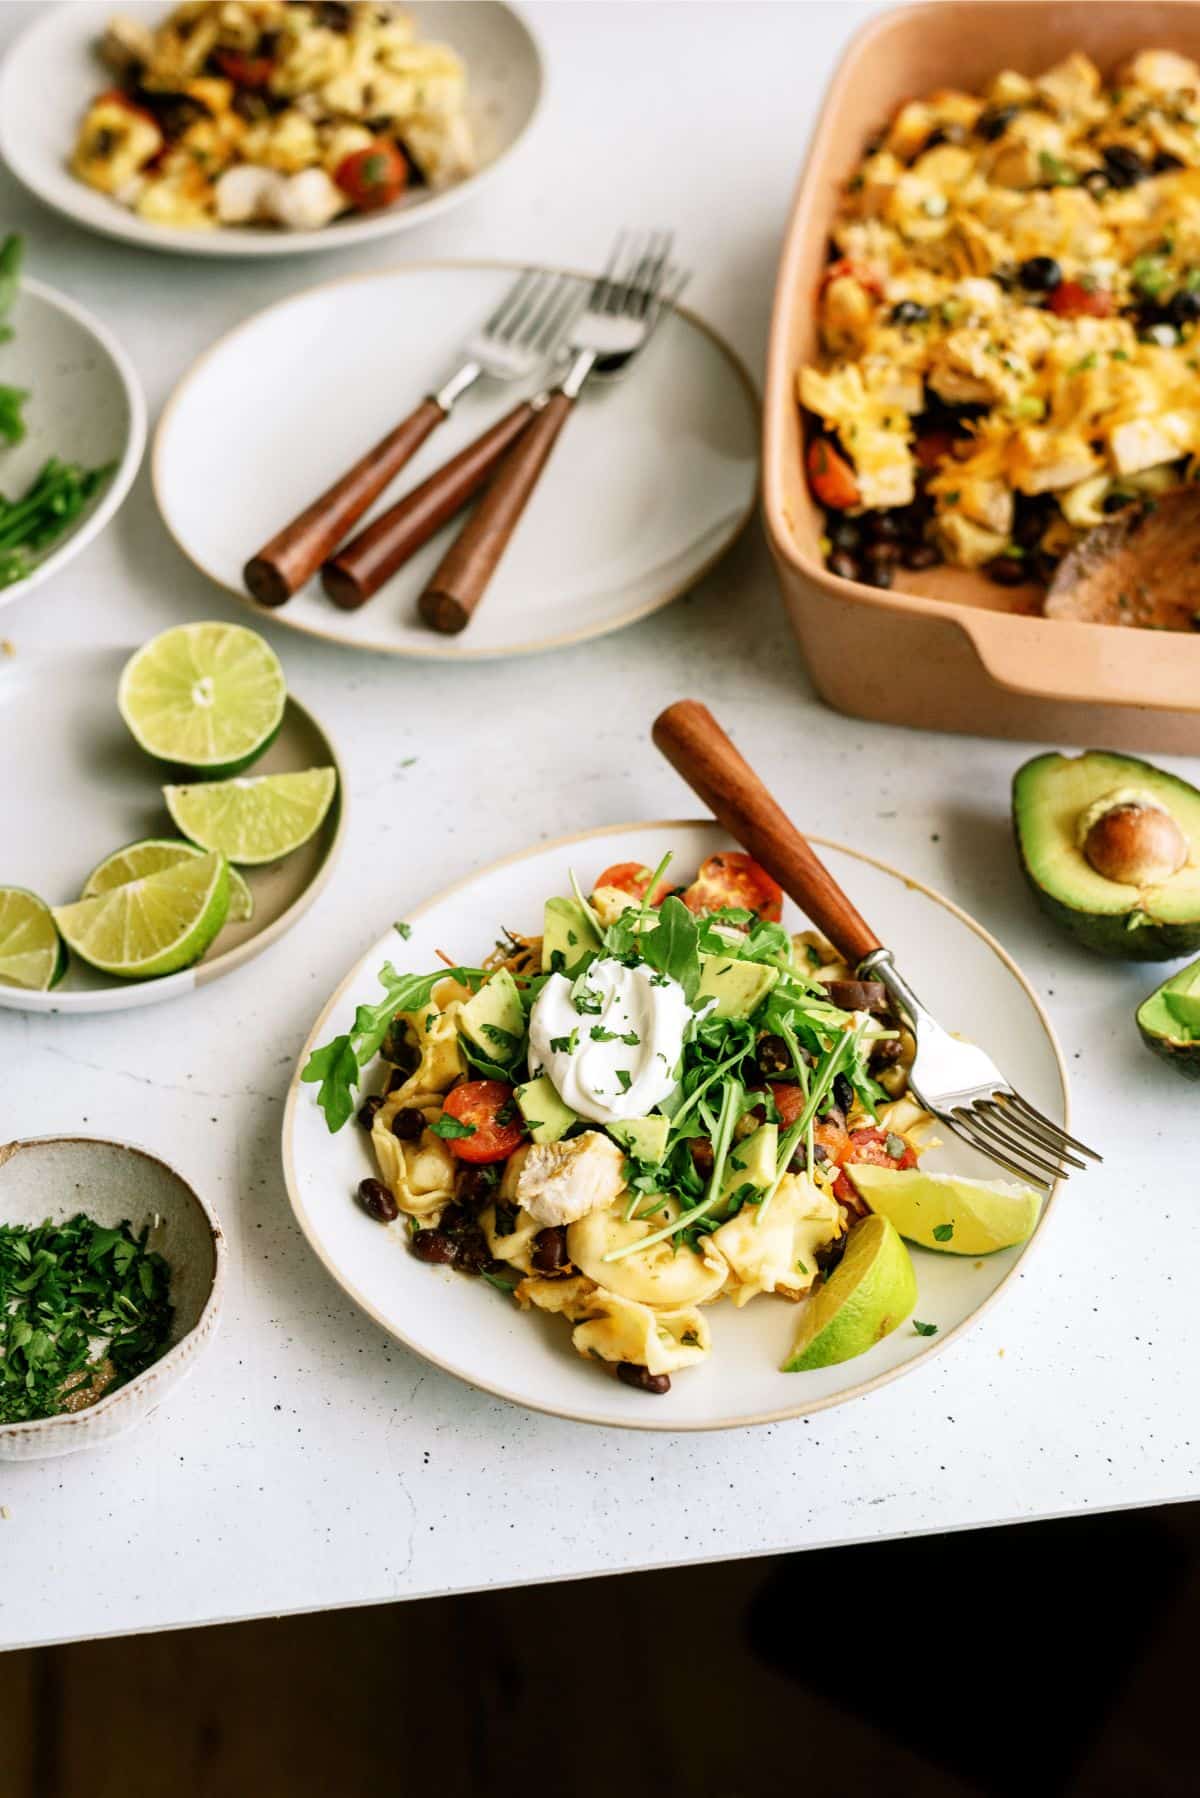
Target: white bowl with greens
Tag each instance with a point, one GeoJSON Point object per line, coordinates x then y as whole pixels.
{"type": "Point", "coordinates": [126, 1269]}
{"type": "Point", "coordinates": [72, 428]}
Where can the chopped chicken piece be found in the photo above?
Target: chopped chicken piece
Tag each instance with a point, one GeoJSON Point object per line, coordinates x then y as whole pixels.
{"type": "Point", "coordinates": [563, 1181]}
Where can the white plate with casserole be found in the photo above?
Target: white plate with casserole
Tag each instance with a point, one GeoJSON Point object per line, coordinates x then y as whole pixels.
{"type": "Point", "coordinates": [651, 481]}
{"type": "Point", "coordinates": [471, 1330]}
{"type": "Point", "coordinates": [53, 73]}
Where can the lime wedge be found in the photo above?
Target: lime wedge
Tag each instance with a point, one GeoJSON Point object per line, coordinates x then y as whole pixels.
{"type": "Point", "coordinates": [154, 925]}
{"type": "Point", "coordinates": [870, 1291]}
{"type": "Point", "coordinates": [150, 857]}
{"type": "Point", "coordinates": [32, 953]}
{"type": "Point", "coordinates": [948, 1211]}
{"type": "Point", "coordinates": [204, 696]}
{"type": "Point", "coordinates": [254, 819]}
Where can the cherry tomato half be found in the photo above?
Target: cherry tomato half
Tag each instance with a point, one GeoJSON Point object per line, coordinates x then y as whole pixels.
{"type": "Point", "coordinates": [735, 880]}
{"type": "Point", "coordinates": [633, 878]}
{"type": "Point", "coordinates": [496, 1124]}
{"type": "Point", "coordinates": [244, 71]}
{"type": "Point", "coordinates": [374, 176]}
{"type": "Point", "coordinates": [1071, 299]}
{"type": "Point", "coordinates": [870, 1145]}
{"type": "Point", "coordinates": [831, 477]}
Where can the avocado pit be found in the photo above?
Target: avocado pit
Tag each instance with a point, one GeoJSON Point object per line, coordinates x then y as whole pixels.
{"type": "Point", "coordinates": [1131, 838]}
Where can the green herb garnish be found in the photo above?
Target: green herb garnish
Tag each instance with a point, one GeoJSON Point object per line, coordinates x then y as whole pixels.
{"type": "Point", "coordinates": [943, 1232]}
{"type": "Point", "coordinates": [451, 1129]}
{"type": "Point", "coordinates": [924, 1329]}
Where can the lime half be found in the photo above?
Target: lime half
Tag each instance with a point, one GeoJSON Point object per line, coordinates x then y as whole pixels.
{"type": "Point", "coordinates": [869, 1293]}
{"type": "Point", "coordinates": [254, 819]}
{"type": "Point", "coordinates": [151, 856]}
{"type": "Point", "coordinates": [948, 1211]}
{"type": "Point", "coordinates": [154, 925]}
{"type": "Point", "coordinates": [204, 696]}
{"type": "Point", "coordinates": [32, 953]}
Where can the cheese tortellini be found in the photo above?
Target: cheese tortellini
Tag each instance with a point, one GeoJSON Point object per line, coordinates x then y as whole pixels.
{"type": "Point", "coordinates": [616, 1329]}
{"type": "Point", "coordinates": [776, 1251]}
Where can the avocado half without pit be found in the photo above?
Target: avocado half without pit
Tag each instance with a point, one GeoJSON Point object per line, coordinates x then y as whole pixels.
{"type": "Point", "coordinates": [1169, 1021]}
{"type": "Point", "coordinates": [1111, 847]}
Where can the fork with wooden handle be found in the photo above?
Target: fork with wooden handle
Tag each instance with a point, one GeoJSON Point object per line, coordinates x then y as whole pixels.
{"type": "Point", "coordinates": [954, 1080]}
{"type": "Point", "coordinates": [622, 309]}
{"type": "Point", "coordinates": [516, 340]}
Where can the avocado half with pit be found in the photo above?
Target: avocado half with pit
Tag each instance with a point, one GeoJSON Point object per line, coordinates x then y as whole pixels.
{"type": "Point", "coordinates": [1169, 1021]}
{"type": "Point", "coordinates": [1111, 847]}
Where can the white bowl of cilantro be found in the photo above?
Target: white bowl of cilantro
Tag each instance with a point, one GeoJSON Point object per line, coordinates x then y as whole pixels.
{"type": "Point", "coordinates": [72, 427]}
{"type": "Point", "coordinates": [111, 1277]}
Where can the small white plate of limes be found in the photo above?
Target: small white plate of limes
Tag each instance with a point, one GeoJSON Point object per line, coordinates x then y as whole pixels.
{"type": "Point", "coordinates": [183, 810]}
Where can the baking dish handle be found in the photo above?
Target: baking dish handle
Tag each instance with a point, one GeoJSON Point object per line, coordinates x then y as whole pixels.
{"type": "Point", "coordinates": [1090, 663]}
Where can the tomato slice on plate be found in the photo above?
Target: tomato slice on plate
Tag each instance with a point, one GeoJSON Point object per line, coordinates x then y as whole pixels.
{"type": "Point", "coordinates": [1071, 299]}
{"type": "Point", "coordinates": [497, 1127]}
{"type": "Point", "coordinates": [734, 880]}
{"type": "Point", "coordinates": [374, 176]}
{"type": "Point", "coordinates": [634, 878]}
{"type": "Point", "coordinates": [871, 1145]}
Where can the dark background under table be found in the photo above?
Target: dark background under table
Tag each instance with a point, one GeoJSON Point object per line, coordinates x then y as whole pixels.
{"type": "Point", "coordinates": [1054, 1659]}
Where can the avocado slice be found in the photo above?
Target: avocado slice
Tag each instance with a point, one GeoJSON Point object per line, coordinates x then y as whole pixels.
{"type": "Point", "coordinates": [546, 1116]}
{"type": "Point", "coordinates": [494, 1018]}
{"type": "Point", "coordinates": [645, 1138]}
{"type": "Point", "coordinates": [567, 931]}
{"type": "Point", "coordinates": [1164, 1032]}
{"type": "Point", "coordinates": [1111, 847]}
{"type": "Point", "coordinates": [738, 987]}
{"type": "Point", "coordinates": [752, 1161]}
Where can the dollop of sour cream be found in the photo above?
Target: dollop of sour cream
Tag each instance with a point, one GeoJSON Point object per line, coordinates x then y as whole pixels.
{"type": "Point", "coordinates": [617, 1057]}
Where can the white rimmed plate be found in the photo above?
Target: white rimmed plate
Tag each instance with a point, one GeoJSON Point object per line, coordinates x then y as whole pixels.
{"type": "Point", "coordinates": [52, 73]}
{"type": "Point", "coordinates": [473, 1331]}
{"type": "Point", "coordinates": [85, 405]}
{"type": "Point", "coordinates": [85, 789]}
{"type": "Point", "coordinates": [651, 480]}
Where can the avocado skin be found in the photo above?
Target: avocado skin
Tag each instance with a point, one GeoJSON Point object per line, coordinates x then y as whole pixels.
{"type": "Point", "coordinates": [1147, 940]}
{"type": "Point", "coordinates": [1157, 1025]}
{"type": "Point", "coordinates": [1183, 1057]}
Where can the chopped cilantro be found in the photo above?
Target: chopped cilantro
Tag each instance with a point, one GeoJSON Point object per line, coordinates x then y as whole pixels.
{"type": "Point", "coordinates": [943, 1232]}
{"type": "Point", "coordinates": [450, 1129]}
{"type": "Point", "coordinates": [924, 1329]}
{"type": "Point", "coordinates": [402, 929]}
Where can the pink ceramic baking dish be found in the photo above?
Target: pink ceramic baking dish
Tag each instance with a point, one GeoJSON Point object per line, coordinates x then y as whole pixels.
{"type": "Point", "coordinates": [948, 649]}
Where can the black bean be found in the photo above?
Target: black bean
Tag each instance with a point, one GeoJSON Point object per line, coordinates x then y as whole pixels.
{"type": "Point", "coordinates": [843, 532]}
{"type": "Point", "coordinates": [833, 1114]}
{"type": "Point", "coordinates": [884, 554]}
{"type": "Point", "coordinates": [455, 1219]}
{"type": "Point", "coordinates": [845, 566]}
{"type": "Point", "coordinates": [1184, 308]}
{"type": "Point", "coordinates": [432, 1245]}
{"type": "Point", "coordinates": [1006, 571]}
{"type": "Point", "coordinates": [471, 1252]}
{"type": "Point", "coordinates": [830, 1253]}
{"type": "Point", "coordinates": [883, 527]}
{"type": "Point", "coordinates": [843, 1092]}
{"type": "Point", "coordinates": [920, 555]}
{"type": "Point", "coordinates": [773, 1055]}
{"type": "Point", "coordinates": [1096, 182]}
{"type": "Point", "coordinates": [702, 1156]}
{"type": "Point", "coordinates": [885, 1054]}
{"type": "Point", "coordinates": [640, 1377]}
{"type": "Point", "coordinates": [1164, 162]}
{"type": "Point", "coordinates": [994, 121]}
{"type": "Point", "coordinates": [1124, 167]}
{"type": "Point", "coordinates": [1040, 274]}
{"type": "Point", "coordinates": [333, 15]}
{"type": "Point", "coordinates": [367, 1110]}
{"type": "Point", "coordinates": [475, 1185]}
{"type": "Point", "coordinates": [549, 1251]}
{"type": "Point", "coordinates": [408, 1123]}
{"type": "Point", "coordinates": [398, 1048]}
{"type": "Point", "coordinates": [377, 1201]}
{"type": "Point", "coordinates": [877, 573]}
{"type": "Point", "coordinates": [909, 312]}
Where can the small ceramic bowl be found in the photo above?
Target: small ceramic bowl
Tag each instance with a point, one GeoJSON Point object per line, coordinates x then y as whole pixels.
{"type": "Point", "coordinates": [85, 405]}
{"type": "Point", "coordinates": [55, 1177]}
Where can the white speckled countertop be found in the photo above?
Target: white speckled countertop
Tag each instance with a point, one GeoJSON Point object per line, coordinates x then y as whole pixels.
{"type": "Point", "coordinates": [311, 1462]}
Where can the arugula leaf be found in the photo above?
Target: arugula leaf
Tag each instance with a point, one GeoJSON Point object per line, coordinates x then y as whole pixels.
{"type": "Point", "coordinates": [673, 947]}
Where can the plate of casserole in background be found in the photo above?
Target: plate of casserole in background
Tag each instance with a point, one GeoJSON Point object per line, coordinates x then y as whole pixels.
{"type": "Point", "coordinates": [239, 130]}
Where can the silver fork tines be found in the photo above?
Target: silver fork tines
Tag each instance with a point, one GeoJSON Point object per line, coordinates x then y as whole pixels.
{"type": "Point", "coordinates": [967, 1093]}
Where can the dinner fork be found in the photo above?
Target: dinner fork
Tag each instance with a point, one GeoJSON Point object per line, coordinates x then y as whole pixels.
{"type": "Point", "coordinates": [622, 309]}
{"type": "Point", "coordinates": [518, 337]}
{"type": "Point", "coordinates": [954, 1080]}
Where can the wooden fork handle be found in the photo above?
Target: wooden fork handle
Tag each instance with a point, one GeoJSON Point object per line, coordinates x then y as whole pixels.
{"type": "Point", "coordinates": [361, 566]}
{"type": "Point", "coordinates": [694, 743]}
{"type": "Point", "coordinates": [467, 568]}
{"type": "Point", "coordinates": [282, 566]}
